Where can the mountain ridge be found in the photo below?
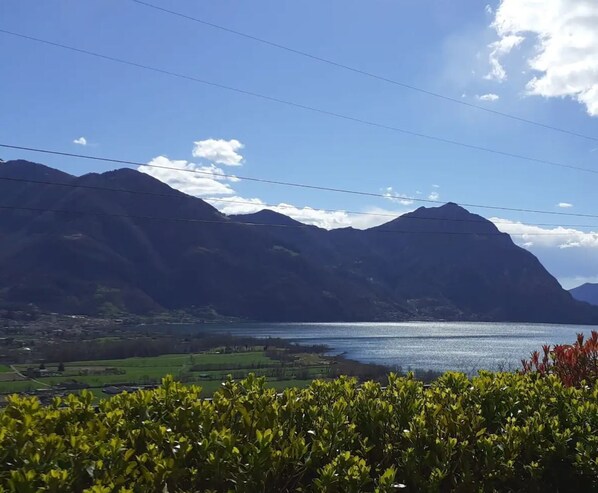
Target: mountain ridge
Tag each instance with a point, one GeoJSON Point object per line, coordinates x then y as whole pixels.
{"type": "Point", "coordinates": [587, 292]}
{"type": "Point", "coordinates": [131, 254]}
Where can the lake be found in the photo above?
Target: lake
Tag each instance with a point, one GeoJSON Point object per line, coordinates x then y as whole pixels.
{"type": "Point", "coordinates": [441, 346]}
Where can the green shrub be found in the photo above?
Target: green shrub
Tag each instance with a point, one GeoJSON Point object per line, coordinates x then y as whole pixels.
{"type": "Point", "coordinates": [495, 432]}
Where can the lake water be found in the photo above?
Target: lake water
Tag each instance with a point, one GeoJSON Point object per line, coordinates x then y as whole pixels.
{"type": "Point", "coordinates": [441, 346]}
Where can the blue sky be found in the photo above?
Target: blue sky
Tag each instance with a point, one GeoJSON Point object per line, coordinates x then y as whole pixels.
{"type": "Point", "coordinates": [51, 97]}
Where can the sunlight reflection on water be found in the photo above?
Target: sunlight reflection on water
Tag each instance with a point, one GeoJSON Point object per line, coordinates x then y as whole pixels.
{"type": "Point", "coordinates": [441, 346]}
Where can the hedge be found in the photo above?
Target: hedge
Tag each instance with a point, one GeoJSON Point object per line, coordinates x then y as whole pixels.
{"type": "Point", "coordinates": [494, 432]}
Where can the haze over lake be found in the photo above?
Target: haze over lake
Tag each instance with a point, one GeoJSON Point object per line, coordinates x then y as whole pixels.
{"type": "Point", "coordinates": [441, 346]}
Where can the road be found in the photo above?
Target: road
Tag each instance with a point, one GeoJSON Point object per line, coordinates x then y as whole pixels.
{"type": "Point", "coordinates": [25, 377]}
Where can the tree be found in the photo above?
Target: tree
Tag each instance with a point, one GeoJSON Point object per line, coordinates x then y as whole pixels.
{"type": "Point", "coordinates": [61, 367]}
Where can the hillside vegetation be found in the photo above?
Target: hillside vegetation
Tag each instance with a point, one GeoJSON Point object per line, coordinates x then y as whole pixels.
{"type": "Point", "coordinates": [112, 253]}
{"type": "Point", "coordinates": [495, 432]}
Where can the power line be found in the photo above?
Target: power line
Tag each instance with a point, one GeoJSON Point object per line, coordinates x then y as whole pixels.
{"type": "Point", "coordinates": [306, 107]}
{"type": "Point", "coordinates": [180, 195]}
{"type": "Point", "coordinates": [225, 221]}
{"type": "Point", "coordinates": [394, 216]}
{"type": "Point", "coordinates": [291, 184]}
{"type": "Point", "coordinates": [363, 72]}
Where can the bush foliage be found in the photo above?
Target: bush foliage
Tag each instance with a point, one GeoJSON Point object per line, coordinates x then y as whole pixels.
{"type": "Point", "coordinates": [495, 432]}
{"type": "Point", "coordinates": [574, 364]}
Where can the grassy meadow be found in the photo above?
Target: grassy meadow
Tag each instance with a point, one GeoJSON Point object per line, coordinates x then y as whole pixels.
{"type": "Point", "coordinates": [206, 369]}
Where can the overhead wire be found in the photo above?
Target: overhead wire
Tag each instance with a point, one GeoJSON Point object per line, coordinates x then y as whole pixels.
{"type": "Point", "coordinates": [313, 109]}
{"type": "Point", "coordinates": [182, 195]}
{"type": "Point", "coordinates": [227, 221]}
{"type": "Point", "coordinates": [290, 184]}
{"type": "Point", "coordinates": [366, 73]}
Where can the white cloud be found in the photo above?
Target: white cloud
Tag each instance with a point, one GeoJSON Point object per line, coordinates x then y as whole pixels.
{"type": "Point", "coordinates": [488, 97]}
{"type": "Point", "coordinates": [327, 219]}
{"type": "Point", "coordinates": [211, 183]}
{"type": "Point", "coordinates": [574, 281]}
{"type": "Point", "coordinates": [399, 198]}
{"type": "Point", "coordinates": [565, 55]}
{"type": "Point", "coordinates": [219, 151]}
{"type": "Point", "coordinates": [488, 10]}
{"type": "Point", "coordinates": [316, 217]}
{"type": "Point", "coordinates": [375, 216]}
{"type": "Point", "coordinates": [498, 50]}
{"type": "Point", "coordinates": [553, 237]}
{"type": "Point", "coordinates": [567, 253]}
{"type": "Point", "coordinates": [208, 182]}
{"type": "Point", "coordinates": [307, 215]}
{"type": "Point", "coordinates": [406, 200]}
{"type": "Point", "coordinates": [82, 141]}
{"type": "Point", "coordinates": [236, 205]}
{"type": "Point", "coordinates": [571, 244]}
{"type": "Point", "coordinates": [564, 205]}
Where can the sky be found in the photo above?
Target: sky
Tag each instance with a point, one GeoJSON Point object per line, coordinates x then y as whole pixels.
{"type": "Point", "coordinates": [534, 59]}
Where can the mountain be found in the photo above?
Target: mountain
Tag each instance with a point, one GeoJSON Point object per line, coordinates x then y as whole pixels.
{"type": "Point", "coordinates": [86, 245]}
{"type": "Point", "coordinates": [470, 266]}
{"type": "Point", "coordinates": [587, 292]}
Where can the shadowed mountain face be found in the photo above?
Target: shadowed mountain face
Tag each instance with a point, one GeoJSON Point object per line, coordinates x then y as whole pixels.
{"type": "Point", "coordinates": [73, 248]}
{"type": "Point", "coordinates": [587, 292]}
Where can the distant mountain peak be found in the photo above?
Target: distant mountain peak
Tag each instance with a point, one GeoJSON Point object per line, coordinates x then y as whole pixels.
{"type": "Point", "coordinates": [27, 170]}
{"type": "Point", "coordinates": [267, 216]}
{"type": "Point", "coordinates": [120, 173]}
{"type": "Point", "coordinates": [129, 178]}
{"type": "Point", "coordinates": [449, 218]}
{"type": "Point", "coordinates": [452, 206]}
{"type": "Point", "coordinates": [450, 209]}
{"type": "Point", "coordinates": [587, 292]}
{"type": "Point", "coordinates": [123, 172]}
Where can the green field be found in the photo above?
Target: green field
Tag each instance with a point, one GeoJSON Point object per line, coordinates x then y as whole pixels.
{"type": "Point", "coordinates": [177, 360]}
{"type": "Point", "coordinates": [205, 369]}
{"type": "Point", "coordinates": [4, 369]}
{"type": "Point", "coordinates": [18, 386]}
